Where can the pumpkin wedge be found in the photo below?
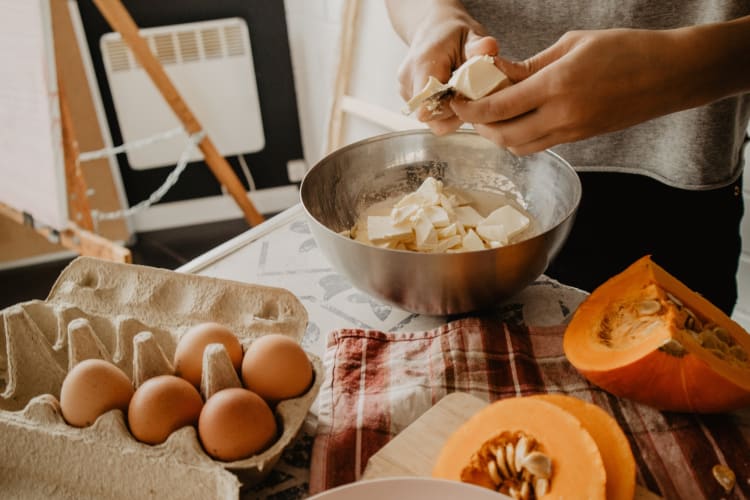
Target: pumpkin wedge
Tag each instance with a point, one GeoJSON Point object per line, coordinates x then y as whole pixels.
{"type": "Point", "coordinates": [644, 335]}
{"type": "Point", "coordinates": [617, 456]}
{"type": "Point", "coordinates": [525, 447]}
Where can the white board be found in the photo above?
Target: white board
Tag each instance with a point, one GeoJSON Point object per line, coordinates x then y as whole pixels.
{"type": "Point", "coordinates": [32, 172]}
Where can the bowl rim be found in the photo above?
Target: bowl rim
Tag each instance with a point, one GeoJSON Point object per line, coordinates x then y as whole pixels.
{"type": "Point", "coordinates": [426, 131]}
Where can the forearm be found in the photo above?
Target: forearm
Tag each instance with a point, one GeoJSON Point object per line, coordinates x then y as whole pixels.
{"type": "Point", "coordinates": [406, 15]}
{"type": "Point", "coordinates": [714, 60]}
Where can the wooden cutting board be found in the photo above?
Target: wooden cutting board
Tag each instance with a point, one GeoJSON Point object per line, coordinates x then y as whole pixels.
{"type": "Point", "coordinates": [413, 450]}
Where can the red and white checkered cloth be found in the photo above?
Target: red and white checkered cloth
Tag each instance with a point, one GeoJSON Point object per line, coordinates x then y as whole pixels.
{"type": "Point", "coordinates": [378, 383]}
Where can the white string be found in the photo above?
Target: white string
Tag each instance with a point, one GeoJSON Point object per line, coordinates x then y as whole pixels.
{"type": "Point", "coordinates": [246, 171]}
{"type": "Point", "coordinates": [140, 143]}
{"type": "Point", "coordinates": [157, 195]}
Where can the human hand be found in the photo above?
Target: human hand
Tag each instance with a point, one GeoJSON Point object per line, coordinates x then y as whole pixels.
{"type": "Point", "coordinates": [441, 42]}
{"type": "Point", "coordinates": [587, 83]}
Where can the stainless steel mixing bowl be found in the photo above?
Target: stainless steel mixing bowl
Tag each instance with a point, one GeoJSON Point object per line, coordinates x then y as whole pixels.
{"type": "Point", "coordinates": [339, 187]}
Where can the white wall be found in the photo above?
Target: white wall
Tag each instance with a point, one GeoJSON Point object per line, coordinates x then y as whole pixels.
{"type": "Point", "coordinates": [314, 34]}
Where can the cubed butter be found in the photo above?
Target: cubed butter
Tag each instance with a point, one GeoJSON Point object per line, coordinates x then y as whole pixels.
{"type": "Point", "coordinates": [493, 232]}
{"type": "Point", "coordinates": [382, 227]}
{"type": "Point", "coordinates": [477, 77]}
{"type": "Point", "coordinates": [472, 241]}
{"type": "Point", "coordinates": [426, 235]}
{"type": "Point", "coordinates": [432, 89]}
{"type": "Point", "coordinates": [468, 217]}
{"type": "Point", "coordinates": [511, 219]}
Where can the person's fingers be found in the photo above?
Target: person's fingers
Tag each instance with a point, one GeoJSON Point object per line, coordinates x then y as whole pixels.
{"type": "Point", "coordinates": [423, 70]}
{"type": "Point", "coordinates": [442, 112]}
{"type": "Point", "coordinates": [505, 104]}
{"type": "Point", "coordinates": [518, 131]}
{"type": "Point", "coordinates": [535, 145]}
{"type": "Point", "coordinates": [480, 45]}
{"type": "Point", "coordinates": [518, 71]}
{"type": "Point", "coordinates": [445, 126]}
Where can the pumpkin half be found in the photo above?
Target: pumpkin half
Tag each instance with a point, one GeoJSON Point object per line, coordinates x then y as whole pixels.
{"type": "Point", "coordinates": [525, 447]}
{"type": "Point", "coordinates": [617, 456]}
{"type": "Point", "coordinates": [644, 335]}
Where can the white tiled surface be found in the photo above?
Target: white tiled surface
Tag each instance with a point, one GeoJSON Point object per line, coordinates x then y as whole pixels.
{"type": "Point", "coordinates": [282, 253]}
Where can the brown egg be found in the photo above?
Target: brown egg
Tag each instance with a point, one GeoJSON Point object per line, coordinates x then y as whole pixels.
{"type": "Point", "coordinates": [276, 367]}
{"type": "Point", "coordinates": [188, 357]}
{"type": "Point", "coordinates": [92, 388]}
{"type": "Point", "coordinates": [236, 423]}
{"type": "Point", "coordinates": [160, 406]}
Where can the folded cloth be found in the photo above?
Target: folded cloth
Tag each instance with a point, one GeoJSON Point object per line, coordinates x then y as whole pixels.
{"type": "Point", "coordinates": [378, 383]}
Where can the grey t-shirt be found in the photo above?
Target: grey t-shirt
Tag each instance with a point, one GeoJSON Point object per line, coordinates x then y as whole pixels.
{"type": "Point", "coordinates": [699, 148]}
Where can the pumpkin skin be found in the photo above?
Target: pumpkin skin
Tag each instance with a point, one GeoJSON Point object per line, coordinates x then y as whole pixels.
{"type": "Point", "coordinates": [614, 447]}
{"type": "Point", "coordinates": [645, 336]}
{"type": "Point", "coordinates": [577, 467]}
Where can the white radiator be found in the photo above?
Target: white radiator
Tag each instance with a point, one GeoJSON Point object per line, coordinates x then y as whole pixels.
{"type": "Point", "coordinates": [211, 65]}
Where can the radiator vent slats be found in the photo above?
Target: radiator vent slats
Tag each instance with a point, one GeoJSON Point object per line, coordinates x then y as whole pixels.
{"type": "Point", "coordinates": [118, 55]}
{"type": "Point", "coordinates": [180, 45]}
{"type": "Point", "coordinates": [233, 41]}
{"type": "Point", "coordinates": [188, 43]}
{"type": "Point", "coordinates": [164, 48]}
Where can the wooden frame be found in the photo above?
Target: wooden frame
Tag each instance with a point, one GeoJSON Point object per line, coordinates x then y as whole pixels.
{"type": "Point", "coordinates": [345, 103]}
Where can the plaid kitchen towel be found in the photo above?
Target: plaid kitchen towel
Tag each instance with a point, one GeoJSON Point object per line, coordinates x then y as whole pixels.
{"type": "Point", "coordinates": [378, 383]}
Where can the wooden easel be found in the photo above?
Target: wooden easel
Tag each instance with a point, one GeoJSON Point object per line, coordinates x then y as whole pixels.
{"type": "Point", "coordinates": [80, 236]}
{"type": "Point", "coordinates": [343, 102]}
{"type": "Point", "coordinates": [120, 20]}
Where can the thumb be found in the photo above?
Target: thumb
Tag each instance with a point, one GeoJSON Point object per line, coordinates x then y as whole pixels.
{"type": "Point", "coordinates": [521, 70]}
{"type": "Point", "coordinates": [477, 45]}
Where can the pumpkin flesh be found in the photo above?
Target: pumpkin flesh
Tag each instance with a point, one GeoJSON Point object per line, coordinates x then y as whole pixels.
{"type": "Point", "coordinates": [617, 456]}
{"type": "Point", "coordinates": [577, 466]}
{"type": "Point", "coordinates": [645, 336]}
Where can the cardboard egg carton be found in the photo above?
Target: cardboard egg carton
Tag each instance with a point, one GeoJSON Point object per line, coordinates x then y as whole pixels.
{"type": "Point", "coordinates": [132, 316]}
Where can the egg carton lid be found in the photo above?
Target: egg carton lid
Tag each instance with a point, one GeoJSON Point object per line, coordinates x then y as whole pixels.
{"type": "Point", "coordinates": [44, 457]}
{"type": "Point", "coordinates": [172, 299]}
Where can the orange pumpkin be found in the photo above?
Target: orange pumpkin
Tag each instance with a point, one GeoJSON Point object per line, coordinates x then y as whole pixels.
{"type": "Point", "coordinates": [525, 443]}
{"type": "Point", "coordinates": [645, 336]}
{"type": "Point", "coordinates": [618, 459]}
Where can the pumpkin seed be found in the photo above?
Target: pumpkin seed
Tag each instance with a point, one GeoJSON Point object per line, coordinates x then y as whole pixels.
{"type": "Point", "coordinates": [724, 476]}
{"type": "Point", "coordinates": [538, 464]}
{"type": "Point", "coordinates": [690, 323]}
{"type": "Point", "coordinates": [674, 299]}
{"type": "Point", "coordinates": [541, 485]}
{"type": "Point", "coordinates": [648, 307]}
{"type": "Point", "coordinates": [513, 464]}
{"type": "Point", "coordinates": [716, 352]}
{"type": "Point", "coordinates": [723, 335]}
{"type": "Point", "coordinates": [500, 461]}
{"type": "Point", "coordinates": [709, 341]}
{"type": "Point", "coordinates": [673, 348]}
{"type": "Point", "coordinates": [738, 353]}
{"type": "Point", "coordinates": [525, 491]}
{"type": "Point", "coordinates": [510, 458]}
{"type": "Point", "coordinates": [492, 471]}
{"type": "Point", "coordinates": [520, 453]}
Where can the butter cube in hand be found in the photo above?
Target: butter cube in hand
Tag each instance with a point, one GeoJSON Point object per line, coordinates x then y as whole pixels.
{"type": "Point", "coordinates": [478, 77]}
